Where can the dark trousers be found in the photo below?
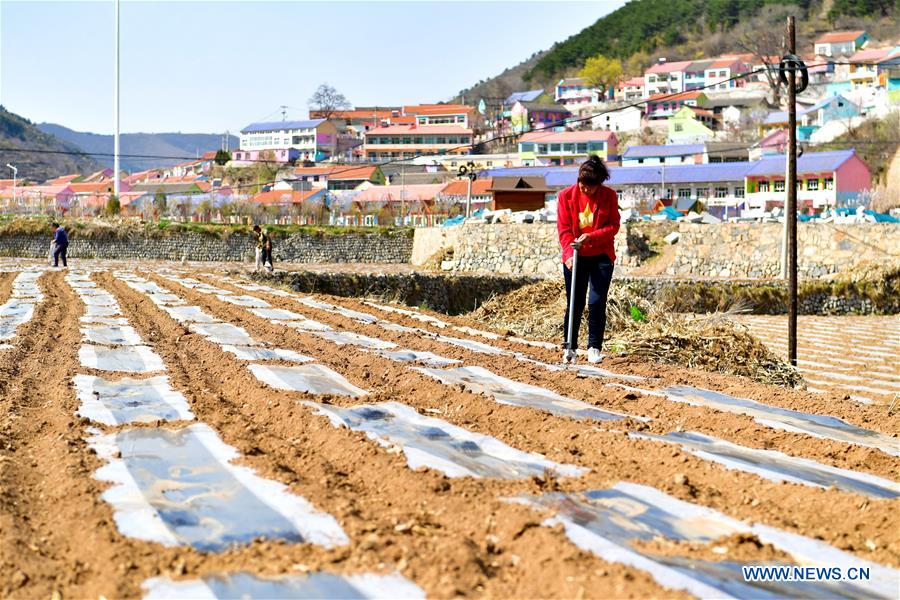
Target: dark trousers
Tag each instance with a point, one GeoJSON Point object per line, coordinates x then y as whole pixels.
{"type": "Point", "coordinates": [267, 257]}
{"type": "Point", "coordinates": [60, 252]}
{"type": "Point", "coordinates": [596, 270]}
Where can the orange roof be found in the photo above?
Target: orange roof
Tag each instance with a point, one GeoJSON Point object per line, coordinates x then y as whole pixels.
{"type": "Point", "coordinates": [92, 187]}
{"type": "Point", "coordinates": [692, 95]}
{"type": "Point", "coordinates": [284, 196]}
{"type": "Point", "coordinates": [424, 192]}
{"type": "Point", "coordinates": [339, 172]}
{"type": "Point", "coordinates": [403, 120]}
{"type": "Point", "coordinates": [459, 187]}
{"type": "Point", "coordinates": [421, 130]}
{"type": "Point", "coordinates": [437, 109]}
{"type": "Point", "coordinates": [836, 37]}
{"type": "Point", "coordinates": [871, 55]}
{"type": "Point", "coordinates": [209, 155]}
{"type": "Point", "coordinates": [668, 67]}
{"type": "Point", "coordinates": [632, 82]}
{"type": "Point", "coordinates": [357, 114]}
{"type": "Point", "coordinates": [63, 179]}
{"type": "Point", "coordinates": [720, 63]}
{"type": "Point", "coordinates": [204, 186]}
{"type": "Point", "coordinates": [701, 111]}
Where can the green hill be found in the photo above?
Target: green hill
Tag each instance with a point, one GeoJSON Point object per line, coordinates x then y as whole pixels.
{"type": "Point", "coordinates": [687, 30]}
{"type": "Point", "coordinates": [50, 159]}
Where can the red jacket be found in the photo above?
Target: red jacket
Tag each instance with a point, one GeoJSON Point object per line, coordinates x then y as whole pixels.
{"type": "Point", "coordinates": [596, 215]}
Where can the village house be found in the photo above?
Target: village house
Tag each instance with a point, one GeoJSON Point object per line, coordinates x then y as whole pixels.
{"type": "Point", "coordinates": [286, 141]}
{"type": "Point", "coordinates": [481, 161]}
{"type": "Point", "coordinates": [408, 141]}
{"type": "Point", "coordinates": [525, 116]}
{"type": "Point", "coordinates": [636, 156]}
{"type": "Point", "coordinates": [456, 192]}
{"type": "Point", "coordinates": [574, 91]}
{"type": "Point", "coordinates": [825, 180]}
{"type": "Point", "coordinates": [840, 43]}
{"type": "Point", "coordinates": [46, 199]}
{"type": "Point", "coordinates": [691, 125]}
{"type": "Point", "coordinates": [811, 118]}
{"type": "Point", "coordinates": [336, 177]}
{"type": "Point", "coordinates": [566, 147]}
{"type": "Point", "coordinates": [402, 205]}
{"type": "Point", "coordinates": [665, 77]}
{"type": "Point", "coordinates": [663, 106]}
{"type": "Point", "coordinates": [629, 90]}
{"type": "Point", "coordinates": [622, 120]}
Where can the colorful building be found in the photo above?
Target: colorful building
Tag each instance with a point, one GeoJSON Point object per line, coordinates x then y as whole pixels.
{"type": "Point", "coordinates": [663, 106]}
{"type": "Point", "coordinates": [566, 147]}
{"type": "Point", "coordinates": [574, 91]}
{"type": "Point", "coordinates": [631, 89]}
{"type": "Point", "coordinates": [336, 177]}
{"type": "Point", "coordinates": [840, 43]}
{"type": "Point", "coordinates": [812, 118]}
{"type": "Point", "coordinates": [285, 141]}
{"type": "Point", "coordinates": [672, 154]}
{"type": "Point", "coordinates": [408, 141]}
{"type": "Point", "coordinates": [665, 77]}
{"type": "Point", "coordinates": [525, 116]}
{"type": "Point", "coordinates": [691, 125]}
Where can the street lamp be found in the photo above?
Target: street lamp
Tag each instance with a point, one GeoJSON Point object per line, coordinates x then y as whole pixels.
{"type": "Point", "coordinates": [15, 173]}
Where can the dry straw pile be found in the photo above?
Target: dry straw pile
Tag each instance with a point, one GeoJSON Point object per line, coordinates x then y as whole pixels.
{"type": "Point", "coordinates": [638, 327]}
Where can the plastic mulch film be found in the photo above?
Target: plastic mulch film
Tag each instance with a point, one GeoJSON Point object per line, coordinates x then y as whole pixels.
{"type": "Point", "coordinates": [823, 426]}
{"type": "Point", "coordinates": [411, 314]}
{"type": "Point", "coordinates": [257, 353]}
{"type": "Point", "coordinates": [312, 586]}
{"type": "Point", "coordinates": [127, 359]}
{"type": "Point", "coordinates": [436, 444]}
{"type": "Point", "coordinates": [244, 301]}
{"type": "Point", "coordinates": [426, 358]}
{"type": "Point", "coordinates": [189, 314]}
{"type": "Point", "coordinates": [313, 379]}
{"type": "Point", "coordinates": [306, 325]}
{"type": "Point", "coordinates": [506, 391]}
{"type": "Point", "coordinates": [91, 311]}
{"type": "Point", "coordinates": [130, 400]}
{"type": "Point", "coordinates": [179, 487]}
{"type": "Point", "coordinates": [607, 522]}
{"type": "Point", "coordinates": [111, 335]}
{"type": "Point", "coordinates": [277, 314]}
{"type": "Point", "coordinates": [347, 338]}
{"type": "Point", "coordinates": [777, 466]}
{"type": "Point", "coordinates": [223, 333]}
{"type": "Point", "coordinates": [472, 345]}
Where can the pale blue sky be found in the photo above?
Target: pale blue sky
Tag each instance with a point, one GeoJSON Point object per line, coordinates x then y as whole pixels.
{"type": "Point", "coordinates": [212, 66]}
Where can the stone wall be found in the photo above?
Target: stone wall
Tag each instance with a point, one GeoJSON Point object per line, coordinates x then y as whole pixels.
{"type": "Point", "coordinates": [518, 249]}
{"type": "Point", "coordinates": [300, 248]}
{"type": "Point", "coordinates": [753, 250]}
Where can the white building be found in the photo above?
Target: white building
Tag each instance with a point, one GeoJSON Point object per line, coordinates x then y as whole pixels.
{"type": "Point", "coordinates": [313, 140]}
{"type": "Point", "coordinates": [624, 119]}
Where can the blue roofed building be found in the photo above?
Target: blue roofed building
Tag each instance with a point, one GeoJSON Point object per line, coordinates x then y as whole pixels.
{"type": "Point", "coordinates": [286, 141]}
{"type": "Point", "coordinates": [671, 154]}
{"type": "Point", "coordinates": [811, 118]}
{"type": "Point", "coordinates": [529, 96]}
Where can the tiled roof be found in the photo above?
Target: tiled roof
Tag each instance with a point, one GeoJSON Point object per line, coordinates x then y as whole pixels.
{"type": "Point", "coordinates": [437, 109]}
{"type": "Point", "coordinates": [519, 183]}
{"type": "Point", "coordinates": [424, 192]}
{"type": "Point", "coordinates": [459, 187]}
{"type": "Point", "coordinates": [691, 95]}
{"type": "Point", "coordinates": [280, 125]}
{"type": "Point", "coordinates": [871, 55]}
{"type": "Point", "coordinates": [667, 150]}
{"type": "Point", "coordinates": [835, 37]}
{"type": "Point", "coordinates": [809, 162]}
{"type": "Point", "coordinates": [567, 136]}
{"type": "Point", "coordinates": [342, 172]}
{"type": "Point", "coordinates": [528, 96]}
{"type": "Point", "coordinates": [285, 196]}
{"type": "Point", "coordinates": [420, 130]}
{"type": "Point", "coordinates": [668, 67]}
{"type": "Point", "coordinates": [699, 65]}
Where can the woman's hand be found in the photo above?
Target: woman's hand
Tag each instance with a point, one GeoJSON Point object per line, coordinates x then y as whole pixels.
{"type": "Point", "coordinates": [581, 238]}
{"type": "Point", "coordinates": [569, 262]}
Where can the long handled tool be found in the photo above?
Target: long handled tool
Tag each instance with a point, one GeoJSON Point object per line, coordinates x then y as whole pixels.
{"type": "Point", "coordinates": [572, 343]}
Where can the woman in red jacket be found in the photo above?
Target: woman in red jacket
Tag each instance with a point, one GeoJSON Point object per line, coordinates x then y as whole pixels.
{"type": "Point", "coordinates": [588, 217]}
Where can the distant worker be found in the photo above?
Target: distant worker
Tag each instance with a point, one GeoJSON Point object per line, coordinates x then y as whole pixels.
{"type": "Point", "coordinates": [60, 244]}
{"type": "Point", "coordinates": [263, 250]}
{"type": "Point", "coordinates": [587, 219]}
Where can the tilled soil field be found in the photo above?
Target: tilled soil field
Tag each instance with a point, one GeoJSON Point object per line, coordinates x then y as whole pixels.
{"type": "Point", "coordinates": [175, 432]}
{"type": "Point", "coordinates": [853, 357]}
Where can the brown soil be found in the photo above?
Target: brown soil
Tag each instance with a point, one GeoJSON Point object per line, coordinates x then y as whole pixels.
{"type": "Point", "coordinates": [738, 547]}
{"type": "Point", "coordinates": [450, 536]}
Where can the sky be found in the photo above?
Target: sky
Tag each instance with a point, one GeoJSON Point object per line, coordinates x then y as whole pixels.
{"type": "Point", "coordinates": [208, 67]}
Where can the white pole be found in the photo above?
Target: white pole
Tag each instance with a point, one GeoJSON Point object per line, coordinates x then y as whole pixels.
{"type": "Point", "coordinates": [116, 110]}
{"type": "Point", "coordinates": [15, 173]}
{"type": "Point", "coordinates": [469, 199]}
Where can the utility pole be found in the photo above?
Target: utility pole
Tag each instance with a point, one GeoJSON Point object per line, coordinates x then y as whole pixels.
{"type": "Point", "coordinates": [15, 174]}
{"type": "Point", "coordinates": [791, 211]}
{"type": "Point", "coordinates": [283, 113]}
{"type": "Point", "coordinates": [116, 110]}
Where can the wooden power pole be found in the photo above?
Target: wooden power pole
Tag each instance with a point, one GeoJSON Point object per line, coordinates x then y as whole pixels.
{"type": "Point", "coordinates": [791, 208]}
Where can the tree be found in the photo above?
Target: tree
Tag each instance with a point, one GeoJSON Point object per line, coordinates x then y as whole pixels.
{"type": "Point", "coordinates": [159, 202]}
{"type": "Point", "coordinates": [113, 207]}
{"type": "Point", "coordinates": [637, 64]}
{"type": "Point", "coordinates": [222, 157]}
{"type": "Point", "coordinates": [601, 72]}
{"type": "Point", "coordinates": [326, 100]}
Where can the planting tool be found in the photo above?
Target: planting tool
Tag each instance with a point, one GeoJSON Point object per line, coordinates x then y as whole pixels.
{"type": "Point", "coordinates": [571, 344]}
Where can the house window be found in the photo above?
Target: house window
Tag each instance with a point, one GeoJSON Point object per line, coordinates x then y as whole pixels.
{"type": "Point", "coordinates": [763, 186]}
{"type": "Point", "coordinates": [684, 192]}
{"type": "Point", "coordinates": [779, 186]}
{"type": "Point", "coordinates": [829, 183]}
{"type": "Point", "coordinates": [721, 192]}
{"type": "Point", "coordinates": [812, 184]}
{"type": "Point", "coordinates": [582, 148]}
{"type": "Point", "coordinates": [490, 163]}
{"type": "Point", "coordinates": [703, 192]}
{"type": "Point", "coordinates": [555, 147]}
{"type": "Point", "coordinates": [542, 148]}
{"type": "Point", "coordinates": [738, 191]}
{"type": "Point", "coordinates": [678, 127]}
{"type": "Point", "coordinates": [640, 161]}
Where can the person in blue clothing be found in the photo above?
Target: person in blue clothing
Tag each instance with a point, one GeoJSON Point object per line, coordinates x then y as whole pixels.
{"type": "Point", "coordinates": [61, 243]}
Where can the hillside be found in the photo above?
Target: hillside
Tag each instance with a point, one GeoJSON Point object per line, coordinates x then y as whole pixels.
{"type": "Point", "coordinates": [50, 159]}
{"type": "Point", "coordinates": [509, 81]}
{"type": "Point", "coordinates": [689, 29]}
{"type": "Point", "coordinates": [185, 145]}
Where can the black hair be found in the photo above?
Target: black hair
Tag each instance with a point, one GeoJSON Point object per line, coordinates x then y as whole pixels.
{"type": "Point", "coordinates": [56, 225]}
{"type": "Point", "coordinates": [593, 171]}
{"type": "Point", "coordinates": [257, 228]}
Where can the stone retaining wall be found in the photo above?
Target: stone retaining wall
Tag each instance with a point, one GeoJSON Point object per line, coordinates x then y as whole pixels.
{"type": "Point", "coordinates": [298, 248]}
{"type": "Point", "coordinates": [753, 250]}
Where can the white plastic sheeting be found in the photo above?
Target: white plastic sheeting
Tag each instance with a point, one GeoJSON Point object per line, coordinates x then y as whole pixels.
{"type": "Point", "coordinates": [437, 444]}
{"type": "Point", "coordinates": [258, 353]}
{"type": "Point", "coordinates": [111, 335]}
{"type": "Point", "coordinates": [245, 301]}
{"type": "Point", "coordinates": [189, 314]}
{"type": "Point", "coordinates": [19, 307]}
{"type": "Point", "coordinates": [506, 391]}
{"type": "Point", "coordinates": [777, 466]}
{"type": "Point", "coordinates": [823, 426]}
{"type": "Point", "coordinates": [313, 586]}
{"type": "Point", "coordinates": [277, 314]}
{"type": "Point", "coordinates": [178, 487]}
{"type": "Point", "coordinates": [346, 338]}
{"type": "Point", "coordinates": [426, 358]}
{"type": "Point", "coordinates": [606, 522]}
{"type": "Point", "coordinates": [223, 333]}
{"type": "Point", "coordinates": [130, 400]}
{"type": "Point", "coordinates": [127, 359]}
{"type": "Point", "coordinates": [310, 378]}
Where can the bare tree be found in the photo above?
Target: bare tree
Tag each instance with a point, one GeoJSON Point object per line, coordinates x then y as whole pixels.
{"type": "Point", "coordinates": [763, 37]}
{"type": "Point", "coordinates": [326, 100]}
